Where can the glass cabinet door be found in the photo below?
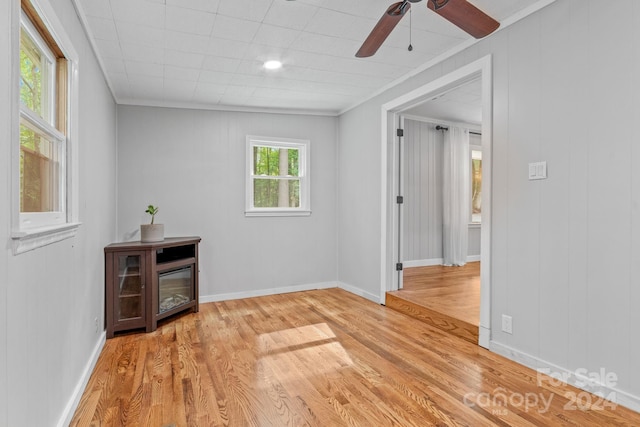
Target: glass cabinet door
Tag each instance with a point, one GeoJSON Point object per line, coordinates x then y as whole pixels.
{"type": "Point", "coordinates": [130, 291]}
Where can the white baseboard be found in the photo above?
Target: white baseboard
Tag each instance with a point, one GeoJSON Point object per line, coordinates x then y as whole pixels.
{"type": "Point", "coordinates": [484, 338]}
{"type": "Point", "coordinates": [287, 289]}
{"type": "Point", "coordinates": [265, 292]}
{"type": "Point", "coordinates": [434, 261]}
{"type": "Point", "coordinates": [284, 290]}
{"type": "Point", "coordinates": [360, 292]}
{"type": "Point", "coordinates": [74, 400]}
{"type": "Point", "coordinates": [422, 262]}
{"type": "Point", "coordinates": [574, 378]}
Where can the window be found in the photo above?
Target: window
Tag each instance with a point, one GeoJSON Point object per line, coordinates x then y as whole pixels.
{"type": "Point", "coordinates": [42, 144]}
{"type": "Point", "coordinates": [44, 212]}
{"type": "Point", "coordinates": [476, 186]}
{"type": "Point", "coordinates": [278, 177]}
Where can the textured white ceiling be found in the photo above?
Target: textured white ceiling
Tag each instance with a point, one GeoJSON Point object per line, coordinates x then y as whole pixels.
{"type": "Point", "coordinates": [209, 53]}
{"type": "Point", "coordinates": [462, 105]}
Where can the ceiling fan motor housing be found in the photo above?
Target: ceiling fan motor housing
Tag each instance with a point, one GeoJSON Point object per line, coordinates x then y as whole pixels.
{"type": "Point", "coordinates": [437, 4]}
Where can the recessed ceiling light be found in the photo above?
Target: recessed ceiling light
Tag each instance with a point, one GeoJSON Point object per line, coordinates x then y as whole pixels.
{"type": "Point", "coordinates": [272, 65]}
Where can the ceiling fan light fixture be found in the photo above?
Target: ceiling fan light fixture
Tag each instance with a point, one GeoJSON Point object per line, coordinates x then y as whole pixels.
{"type": "Point", "coordinates": [272, 64]}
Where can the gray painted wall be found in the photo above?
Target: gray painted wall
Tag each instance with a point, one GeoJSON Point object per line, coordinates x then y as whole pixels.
{"type": "Point", "coordinates": [474, 240]}
{"type": "Point", "coordinates": [359, 219]}
{"type": "Point", "coordinates": [5, 214]}
{"type": "Point", "coordinates": [192, 165]}
{"type": "Point", "coordinates": [566, 250]}
{"type": "Point", "coordinates": [422, 175]}
{"type": "Point", "coordinates": [423, 158]}
{"type": "Point", "coordinates": [50, 297]}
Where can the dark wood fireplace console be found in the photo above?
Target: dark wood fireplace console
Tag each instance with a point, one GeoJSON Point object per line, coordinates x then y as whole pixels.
{"type": "Point", "coordinates": [147, 282]}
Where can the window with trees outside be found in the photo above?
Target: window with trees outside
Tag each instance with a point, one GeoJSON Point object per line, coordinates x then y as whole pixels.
{"type": "Point", "coordinates": [476, 186]}
{"type": "Point", "coordinates": [278, 177]}
{"type": "Point", "coordinates": [43, 168]}
{"type": "Point", "coordinates": [42, 124]}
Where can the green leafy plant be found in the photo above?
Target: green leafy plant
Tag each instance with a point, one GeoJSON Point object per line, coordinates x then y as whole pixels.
{"type": "Point", "coordinates": [152, 210]}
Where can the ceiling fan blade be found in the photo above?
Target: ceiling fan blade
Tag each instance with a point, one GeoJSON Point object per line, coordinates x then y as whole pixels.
{"type": "Point", "coordinates": [466, 16]}
{"type": "Point", "coordinates": [383, 28]}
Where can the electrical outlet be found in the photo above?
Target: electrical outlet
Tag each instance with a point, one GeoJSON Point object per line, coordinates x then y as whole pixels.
{"type": "Point", "coordinates": [507, 324]}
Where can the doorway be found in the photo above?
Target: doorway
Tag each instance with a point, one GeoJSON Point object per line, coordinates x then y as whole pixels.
{"type": "Point", "coordinates": [446, 297]}
{"type": "Point", "coordinates": [392, 277]}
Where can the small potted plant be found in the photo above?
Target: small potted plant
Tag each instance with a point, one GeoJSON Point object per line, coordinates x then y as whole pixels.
{"type": "Point", "coordinates": [152, 232]}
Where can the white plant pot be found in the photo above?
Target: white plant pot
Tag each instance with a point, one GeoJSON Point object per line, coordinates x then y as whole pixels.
{"type": "Point", "coordinates": [151, 233]}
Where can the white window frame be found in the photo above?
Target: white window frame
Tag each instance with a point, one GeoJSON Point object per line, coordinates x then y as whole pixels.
{"type": "Point", "coordinates": [303, 146]}
{"type": "Point", "coordinates": [33, 230]}
{"type": "Point", "coordinates": [473, 148]}
{"type": "Point", "coordinates": [45, 127]}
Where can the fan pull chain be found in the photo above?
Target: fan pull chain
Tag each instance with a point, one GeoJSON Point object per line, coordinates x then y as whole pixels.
{"type": "Point", "coordinates": [410, 48]}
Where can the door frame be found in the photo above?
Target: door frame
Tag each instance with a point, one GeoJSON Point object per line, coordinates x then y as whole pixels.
{"type": "Point", "coordinates": [390, 121]}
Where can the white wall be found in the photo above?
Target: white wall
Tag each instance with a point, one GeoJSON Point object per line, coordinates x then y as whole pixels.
{"type": "Point", "coordinates": [566, 250]}
{"type": "Point", "coordinates": [192, 165]}
{"type": "Point", "coordinates": [50, 297]}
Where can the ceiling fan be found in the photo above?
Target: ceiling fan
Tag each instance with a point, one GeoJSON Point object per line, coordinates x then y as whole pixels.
{"type": "Point", "coordinates": [459, 12]}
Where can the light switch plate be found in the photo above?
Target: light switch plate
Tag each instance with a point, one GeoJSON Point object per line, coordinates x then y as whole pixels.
{"type": "Point", "coordinates": [537, 170]}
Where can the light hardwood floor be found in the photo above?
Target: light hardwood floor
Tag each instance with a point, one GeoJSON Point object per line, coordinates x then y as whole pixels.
{"type": "Point", "coordinates": [445, 297]}
{"type": "Point", "coordinates": [453, 290]}
{"type": "Point", "coordinates": [319, 358]}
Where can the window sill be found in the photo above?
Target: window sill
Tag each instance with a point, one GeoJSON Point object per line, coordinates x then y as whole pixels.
{"type": "Point", "coordinates": [475, 225]}
{"type": "Point", "coordinates": [277, 213]}
{"type": "Point", "coordinates": [28, 240]}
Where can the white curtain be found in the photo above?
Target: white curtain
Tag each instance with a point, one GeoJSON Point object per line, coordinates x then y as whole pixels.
{"type": "Point", "coordinates": [456, 183]}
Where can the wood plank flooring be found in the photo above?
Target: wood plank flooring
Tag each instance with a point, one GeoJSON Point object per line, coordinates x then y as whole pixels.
{"type": "Point", "coordinates": [445, 297]}
{"type": "Point", "coordinates": [318, 358]}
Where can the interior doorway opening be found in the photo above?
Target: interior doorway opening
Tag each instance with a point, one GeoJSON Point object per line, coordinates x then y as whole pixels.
{"type": "Point", "coordinates": [394, 114]}
{"type": "Point", "coordinates": [440, 283]}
